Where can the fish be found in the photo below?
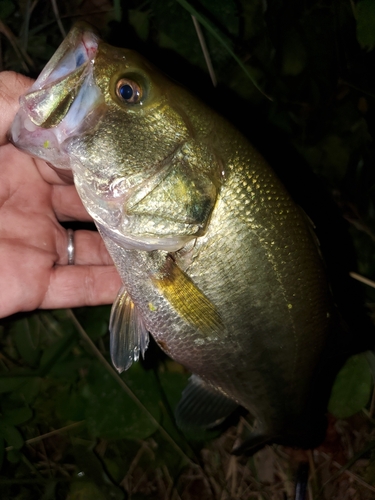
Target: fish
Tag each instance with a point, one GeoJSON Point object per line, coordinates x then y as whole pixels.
{"type": "Point", "coordinates": [218, 263]}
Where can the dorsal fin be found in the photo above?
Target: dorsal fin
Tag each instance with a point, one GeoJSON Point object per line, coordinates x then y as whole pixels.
{"type": "Point", "coordinates": [129, 336]}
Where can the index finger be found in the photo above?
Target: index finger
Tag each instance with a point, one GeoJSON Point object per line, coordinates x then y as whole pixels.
{"type": "Point", "coordinates": [12, 86]}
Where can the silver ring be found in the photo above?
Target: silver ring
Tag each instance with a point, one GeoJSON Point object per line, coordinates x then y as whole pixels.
{"type": "Point", "coordinates": [70, 247]}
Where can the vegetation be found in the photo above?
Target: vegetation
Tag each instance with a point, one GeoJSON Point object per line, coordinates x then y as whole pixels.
{"type": "Point", "coordinates": [297, 78]}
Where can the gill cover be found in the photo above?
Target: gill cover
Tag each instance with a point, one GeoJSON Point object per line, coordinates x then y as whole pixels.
{"type": "Point", "coordinates": [169, 208]}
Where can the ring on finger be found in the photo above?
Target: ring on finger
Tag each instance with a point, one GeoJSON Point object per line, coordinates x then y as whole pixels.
{"type": "Point", "coordinates": [70, 247]}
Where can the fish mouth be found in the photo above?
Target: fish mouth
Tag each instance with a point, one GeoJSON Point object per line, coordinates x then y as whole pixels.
{"type": "Point", "coordinates": [62, 102]}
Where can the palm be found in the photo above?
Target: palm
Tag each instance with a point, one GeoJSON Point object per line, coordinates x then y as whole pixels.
{"type": "Point", "coordinates": [33, 244]}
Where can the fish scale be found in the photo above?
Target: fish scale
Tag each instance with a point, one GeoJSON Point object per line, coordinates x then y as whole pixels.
{"type": "Point", "coordinates": [218, 263]}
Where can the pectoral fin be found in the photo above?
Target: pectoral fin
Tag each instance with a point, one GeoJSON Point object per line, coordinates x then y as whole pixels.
{"type": "Point", "coordinates": [129, 336]}
{"type": "Point", "coordinates": [187, 299]}
{"type": "Point", "coordinates": [202, 407]}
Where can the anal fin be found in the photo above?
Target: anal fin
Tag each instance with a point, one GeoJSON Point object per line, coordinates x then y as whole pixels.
{"type": "Point", "coordinates": [202, 407]}
{"type": "Point", "coordinates": [128, 334]}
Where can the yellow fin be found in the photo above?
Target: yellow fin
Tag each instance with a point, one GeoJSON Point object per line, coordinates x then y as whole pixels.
{"type": "Point", "coordinates": [186, 298]}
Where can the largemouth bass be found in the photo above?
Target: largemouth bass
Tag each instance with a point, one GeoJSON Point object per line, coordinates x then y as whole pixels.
{"type": "Point", "coordinates": [218, 263]}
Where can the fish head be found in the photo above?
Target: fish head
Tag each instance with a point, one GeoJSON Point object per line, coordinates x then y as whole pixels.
{"type": "Point", "coordinates": [124, 130]}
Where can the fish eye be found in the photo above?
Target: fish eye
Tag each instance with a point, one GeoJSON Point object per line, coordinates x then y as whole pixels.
{"type": "Point", "coordinates": [128, 91]}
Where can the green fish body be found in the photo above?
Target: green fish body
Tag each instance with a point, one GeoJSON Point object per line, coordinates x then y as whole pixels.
{"type": "Point", "coordinates": [218, 263]}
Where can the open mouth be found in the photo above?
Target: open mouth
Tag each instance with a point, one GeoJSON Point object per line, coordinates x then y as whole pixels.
{"type": "Point", "coordinates": [54, 92]}
{"type": "Point", "coordinates": [59, 102]}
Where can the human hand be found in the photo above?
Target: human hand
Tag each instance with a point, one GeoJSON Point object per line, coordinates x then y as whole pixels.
{"type": "Point", "coordinates": [33, 245]}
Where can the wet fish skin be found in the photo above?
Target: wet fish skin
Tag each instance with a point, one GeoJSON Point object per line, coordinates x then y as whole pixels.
{"type": "Point", "coordinates": [217, 261]}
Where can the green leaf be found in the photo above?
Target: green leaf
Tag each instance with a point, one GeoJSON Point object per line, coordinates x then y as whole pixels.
{"type": "Point", "coordinates": [352, 388]}
{"type": "Point", "coordinates": [50, 491]}
{"type": "Point", "coordinates": [84, 490]}
{"type": "Point", "coordinates": [335, 153]}
{"type": "Point", "coordinates": [225, 14]}
{"type": "Point", "coordinates": [117, 10]}
{"type": "Point", "coordinates": [10, 384]}
{"type": "Point", "coordinates": [17, 416]}
{"type": "Point", "coordinates": [366, 24]}
{"type": "Point", "coordinates": [14, 456]}
{"type": "Point", "coordinates": [72, 406]}
{"type": "Point", "coordinates": [140, 22]}
{"type": "Point", "coordinates": [92, 469]}
{"type": "Point", "coordinates": [68, 368]}
{"type": "Point", "coordinates": [173, 385]}
{"type": "Point", "coordinates": [370, 356]}
{"type": "Point", "coordinates": [94, 320]}
{"type": "Point", "coordinates": [11, 435]}
{"type": "Point", "coordinates": [220, 38]}
{"type": "Point", "coordinates": [56, 352]}
{"type": "Point", "coordinates": [29, 389]}
{"type": "Point", "coordinates": [176, 31]}
{"type": "Point", "coordinates": [114, 469]}
{"type": "Point", "coordinates": [2, 451]}
{"type": "Point", "coordinates": [25, 332]}
{"type": "Point", "coordinates": [6, 9]}
{"type": "Point", "coordinates": [294, 54]}
{"type": "Point", "coordinates": [111, 413]}
{"type": "Point", "coordinates": [252, 19]}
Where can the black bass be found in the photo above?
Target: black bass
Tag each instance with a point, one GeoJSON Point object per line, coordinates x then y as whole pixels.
{"type": "Point", "coordinates": [218, 263]}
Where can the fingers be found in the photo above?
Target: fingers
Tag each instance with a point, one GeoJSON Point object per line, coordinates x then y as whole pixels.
{"type": "Point", "coordinates": [78, 286]}
{"type": "Point", "coordinates": [32, 279]}
{"type": "Point", "coordinates": [68, 205]}
{"type": "Point", "coordinates": [54, 175]}
{"type": "Point", "coordinates": [92, 280]}
{"type": "Point", "coordinates": [12, 85]}
{"type": "Point", "coordinates": [89, 249]}
{"type": "Point", "coordinates": [24, 273]}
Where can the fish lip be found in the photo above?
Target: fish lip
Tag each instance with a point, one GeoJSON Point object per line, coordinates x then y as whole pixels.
{"type": "Point", "coordinates": [81, 33]}
{"type": "Point", "coordinates": [67, 68]}
{"type": "Point", "coordinates": [55, 108]}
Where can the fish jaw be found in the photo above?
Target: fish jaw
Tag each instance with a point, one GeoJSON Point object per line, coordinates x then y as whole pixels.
{"type": "Point", "coordinates": [63, 102]}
